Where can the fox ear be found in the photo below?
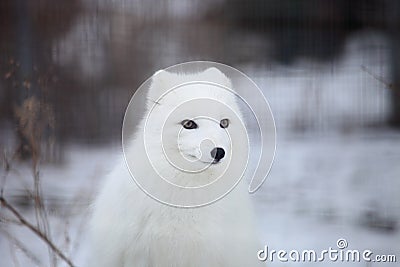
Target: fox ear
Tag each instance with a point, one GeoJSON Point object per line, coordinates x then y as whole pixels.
{"type": "Point", "coordinates": [215, 75]}
{"type": "Point", "coordinates": [160, 74]}
{"type": "Point", "coordinates": [213, 71]}
{"type": "Point", "coordinates": [161, 78]}
{"type": "Point", "coordinates": [161, 81]}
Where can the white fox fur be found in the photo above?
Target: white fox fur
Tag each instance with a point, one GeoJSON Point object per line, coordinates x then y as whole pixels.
{"type": "Point", "coordinates": [130, 229]}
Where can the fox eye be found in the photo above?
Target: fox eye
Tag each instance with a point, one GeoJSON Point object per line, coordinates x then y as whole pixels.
{"type": "Point", "coordinates": [189, 124]}
{"type": "Point", "coordinates": [224, 123]}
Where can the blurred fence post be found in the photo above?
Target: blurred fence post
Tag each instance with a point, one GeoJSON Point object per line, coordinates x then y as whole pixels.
{"type": "Point", "coordinates": [393, 11]}
{"type": "Point", "coordinates": [24, 41]}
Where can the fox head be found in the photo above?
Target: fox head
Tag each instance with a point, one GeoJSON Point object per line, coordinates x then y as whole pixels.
{"type": "Point", "coordinates": [196, 120]}
{"type": "Point", "coordinates": [192, 143]}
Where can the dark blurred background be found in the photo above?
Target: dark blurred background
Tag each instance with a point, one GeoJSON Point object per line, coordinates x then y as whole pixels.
{"type": "Point", "coordinates": [82, 60]}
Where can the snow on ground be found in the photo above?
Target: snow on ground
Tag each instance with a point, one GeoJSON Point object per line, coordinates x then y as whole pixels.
{"type": "Point", "coordinates": [325, 188]}
{"type": "Point", "coordinates": [67, 190]}
{"type": "Point", "coordinates": [320, 189]}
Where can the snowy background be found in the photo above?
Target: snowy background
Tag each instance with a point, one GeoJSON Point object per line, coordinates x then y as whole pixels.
{"type": "Point", "coordinates": [336, 172]}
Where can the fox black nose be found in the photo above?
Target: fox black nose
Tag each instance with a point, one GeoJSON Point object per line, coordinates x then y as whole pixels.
{"type": "Point", "coordinates": [217, 153]}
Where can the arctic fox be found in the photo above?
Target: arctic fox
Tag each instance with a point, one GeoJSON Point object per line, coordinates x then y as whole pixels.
{"type": "Point", "coordinates": [129, 228]}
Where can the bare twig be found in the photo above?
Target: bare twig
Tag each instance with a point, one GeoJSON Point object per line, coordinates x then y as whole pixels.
{"type": "Point", "coordinates": [35, 230]}
{"type": "Point", "coordinates": [35, 117]}
{"type": "Point", "coordinates": [7, 167]}
{"type": "Point", "coordinates": [8, 163]}
{"type": "Point", "coordinates": [378, 78]}
{"type": "Point", "coordinates": [40, 212]}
